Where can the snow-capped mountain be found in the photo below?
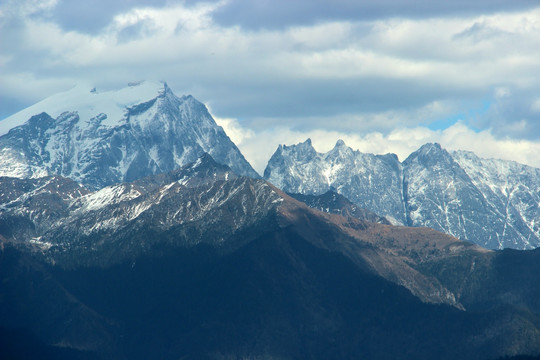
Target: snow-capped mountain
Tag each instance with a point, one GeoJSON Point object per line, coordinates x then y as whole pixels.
{"type": "Point", "coordinates": [99, 139]}
{"type": "Point", "coordinates": [374, 182]}
{"type": "Point", "coordinates": [512, 191]}
{"type": "Point", "coordinates": [494, 203]}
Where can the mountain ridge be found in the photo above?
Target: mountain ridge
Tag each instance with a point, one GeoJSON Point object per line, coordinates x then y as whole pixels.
{"type": "Point", "coordinates": [493, 203]}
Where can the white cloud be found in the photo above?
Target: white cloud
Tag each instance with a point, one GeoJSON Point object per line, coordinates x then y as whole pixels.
{"type": "Point", "coordinates": [22, 8]}
{"type": "Point", "coordinates": [232, 128]}
{"type": "Point", "coordinates": [394, 49]}
{"type": "Point", "coordinates": [168, 20]}
{"type": "Point", "coordinates": [502, 92]}
{"type": "Point", "coordinates": [15, 85]}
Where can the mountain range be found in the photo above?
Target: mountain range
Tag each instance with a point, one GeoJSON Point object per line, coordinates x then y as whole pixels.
{"type": "Point", "coordinates": [203, 263]}
{"type": "Point", "coordinates": [493, 203]}
{"type": "Point", "coordinates": [110, 251]}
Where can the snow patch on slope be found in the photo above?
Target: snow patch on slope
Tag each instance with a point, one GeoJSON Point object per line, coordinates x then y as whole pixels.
{"type": "Point", "coordinates": [107, 196]}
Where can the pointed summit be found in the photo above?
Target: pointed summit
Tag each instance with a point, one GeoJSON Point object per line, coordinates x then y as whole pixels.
{"type": "Point", "coordinates": [426, 148]}
{"type": "Point", "coordinates": [203, 170]}
{"type": "Point", "coordinates": [341, 153]}
{"type": "Point", "coordinates": [341, 148]}
{"type": "Point", "coordinates": [430, 155]}
{"type": "Point", "coordinates": [340, 143]}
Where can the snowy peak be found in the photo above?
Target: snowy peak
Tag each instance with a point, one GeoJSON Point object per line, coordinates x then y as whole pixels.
{"type": "Point", "coordinates": [340, 152]}
{"type": "Point", "coordinates": [204, 169]}
{"type": "Point", "coordinates": [340, 143]}
{"type": "Point", "coordinates": [306, 144]}
{"type": "Point", "coordinates": [100, 139]}
{"type": "Point", "coordinates": [431, 154]}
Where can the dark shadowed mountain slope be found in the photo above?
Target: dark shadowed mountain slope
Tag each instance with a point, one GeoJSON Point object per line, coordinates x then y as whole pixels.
{"type": "Point", "coordinates": [334, 203]}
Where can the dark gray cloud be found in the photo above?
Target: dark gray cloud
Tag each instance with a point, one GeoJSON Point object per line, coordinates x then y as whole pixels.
{"type": "Point", "coordinates": [513, 114]}
{"type": "Point", "coordinates": [302, 101]}
{"type": "Point", "coordinates": [279, 14]}
{"type": "Point", "coordinates": [93, 16]}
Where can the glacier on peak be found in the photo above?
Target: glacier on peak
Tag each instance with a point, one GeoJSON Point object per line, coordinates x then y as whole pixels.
{"type": "Point", "coordinates": [89, 103]}
{"type": "Point", "coordinates": [102, 138]}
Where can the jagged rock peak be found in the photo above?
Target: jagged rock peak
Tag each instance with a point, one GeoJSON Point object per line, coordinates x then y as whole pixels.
{"type": "Point", "coordinates": [300, 152]}
{"type": "Point", "coordinates": [306, 145]}
{"type": "Point", "coordinates": [340, 150]}
{"type": "Point", "coordinates": [309, 172]}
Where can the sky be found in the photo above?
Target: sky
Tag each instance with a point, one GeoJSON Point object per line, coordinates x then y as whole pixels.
{"type": "Point", "coordinates": [384, 76]}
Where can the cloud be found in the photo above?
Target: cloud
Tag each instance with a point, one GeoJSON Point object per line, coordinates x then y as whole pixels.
{"type": "Point", "coordinates": [234, 130]}
{"type": "Point", "coordinates": [25, 8]}
{"type": "Point", "coordinates": [352, 67]}
{"type": "Point", "coordinates": [271, 15]}
{"type": "Point", "coordinates": [91, 17]}
{"type": "Point", "coordinates": [513, 113]}
{"type": "Point", "coordinates": [535, 106]}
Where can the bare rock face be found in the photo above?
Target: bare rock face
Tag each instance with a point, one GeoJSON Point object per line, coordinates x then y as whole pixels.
{"type": "Point", "coordinates": [334, 203]}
